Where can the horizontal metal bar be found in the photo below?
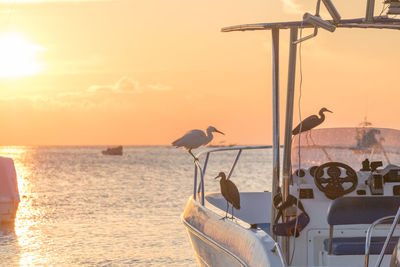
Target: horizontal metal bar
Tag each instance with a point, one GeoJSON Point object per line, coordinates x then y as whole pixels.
{"type": "Point", "coordinates": [231, 148]}
{"type": "Point", "coordinates": [378, 23]}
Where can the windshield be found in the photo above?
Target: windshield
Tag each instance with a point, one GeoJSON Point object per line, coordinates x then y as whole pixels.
{"type": "Point", "coordinates": [347, 145]}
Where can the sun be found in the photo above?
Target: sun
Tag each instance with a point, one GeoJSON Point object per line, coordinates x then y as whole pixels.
{"type": "Point", "coordinates": [18, 56]}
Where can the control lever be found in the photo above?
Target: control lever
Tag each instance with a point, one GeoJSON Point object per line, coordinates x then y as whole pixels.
{"type": "Point", "coordinates": [375, 165]}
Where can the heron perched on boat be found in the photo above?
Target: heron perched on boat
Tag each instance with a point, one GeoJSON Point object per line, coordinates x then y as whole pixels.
{"type": "Point", "coordinates": [311, 122]}
{"type": "Point", "coordinates": [195, 138]}
{"type": "Point", "coordinates": [230, 192]}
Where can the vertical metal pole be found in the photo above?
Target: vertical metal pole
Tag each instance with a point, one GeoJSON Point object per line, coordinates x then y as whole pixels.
{"type": "Point", "coordinates": [202, 187]}
{"type": "Point", "coordinates": [286, 172]}
{"type": "Point", "coordinates": [204, 171]}
{"type": "Point", "coordinates": [275, 126]}
{"type": "Point", "coordinates": [369, 16]}
{"type": "Point", "coordinates": [289, 112]}
{"type": "Point", "coordinates": [195, 182]}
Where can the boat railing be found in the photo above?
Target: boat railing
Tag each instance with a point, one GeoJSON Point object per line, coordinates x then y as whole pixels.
{"type": "Point", "coordinates": [390, 234]}
{"type": "Point", "coordinates": [199, 189]}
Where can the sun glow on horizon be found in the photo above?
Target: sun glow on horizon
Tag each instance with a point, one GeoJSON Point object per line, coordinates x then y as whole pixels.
{"type": "Point", "coordinates": [18, 56]}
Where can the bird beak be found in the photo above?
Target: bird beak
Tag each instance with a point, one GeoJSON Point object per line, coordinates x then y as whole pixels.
{"type": "Point", "coordinates": [219, 132]}
{"type": "Point", "coordinates": [329, 110]}
{"type": "Point", "coordinates": [217, 177]}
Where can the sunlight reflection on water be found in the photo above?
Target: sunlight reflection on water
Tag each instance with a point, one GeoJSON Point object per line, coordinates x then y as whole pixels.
{"type": "Point", "coordinates": [79, 207]}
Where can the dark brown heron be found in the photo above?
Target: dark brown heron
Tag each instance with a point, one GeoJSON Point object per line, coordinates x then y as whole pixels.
{"type": "Point", "coordinates": [195, 138]}
{"type": "Point", "coordinates": [229, 192]}
{"type": "Point", "coordinates": [311, 122]}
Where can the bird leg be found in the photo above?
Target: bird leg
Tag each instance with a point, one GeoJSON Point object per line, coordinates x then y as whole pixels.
{"type": "Point", "coordinates": [307, 135]}
{"type": "Point", "coordinates": [195, 159]}
{"type": "Point", "coordinates": [232, 213]}
{"type": "Point", "coordinates": [226, 214]}
{"type": "Point", "coordinates": [227, 208]}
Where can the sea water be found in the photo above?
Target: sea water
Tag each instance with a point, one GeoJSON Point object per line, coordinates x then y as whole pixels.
{"type": "Point", "coordinates": [79, 207]}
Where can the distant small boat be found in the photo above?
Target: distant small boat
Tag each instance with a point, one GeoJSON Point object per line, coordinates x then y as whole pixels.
{"type": "Point", "coordinates": [113, 151]}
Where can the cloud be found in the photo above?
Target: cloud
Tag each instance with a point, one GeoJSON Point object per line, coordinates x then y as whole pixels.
{"type": "Point", "coordinates": [126, 85]}
{"type": "Point", "coordinates": [159, 87]}
{"type": "Point", "coordinates": [120, 95]}
{"type": "Point", "coordinates": [291, 7]}
{"type": "Point", "coordinates": [123, 85]}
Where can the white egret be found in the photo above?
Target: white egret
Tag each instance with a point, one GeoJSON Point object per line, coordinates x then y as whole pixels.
{"type": "Point", "coordinates": [311, 122]}
{"type": "Point", "coordinates": [230, 192]}
{"type": "Point", "coordinates": [195, 138]}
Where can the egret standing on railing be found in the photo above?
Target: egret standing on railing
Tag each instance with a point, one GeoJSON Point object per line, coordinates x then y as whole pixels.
{"type": "Point", "coordinates": [311, 122]}
{"type": "Point", "coordinates": [195, 139]}
{"type": "Point", "coordinates": [230, 192]}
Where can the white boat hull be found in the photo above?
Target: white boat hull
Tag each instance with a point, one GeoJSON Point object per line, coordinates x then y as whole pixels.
{"type": "Point", "coordinates": [8, 211]}
{"type": "Point", "coordinates": [9, 195]}
{"type": "Point", "coordinates": [218, 242]}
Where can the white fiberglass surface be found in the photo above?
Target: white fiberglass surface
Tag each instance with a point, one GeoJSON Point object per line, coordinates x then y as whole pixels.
{"type": "Point", "coordinates": [255, 206]}
{"type": "Point", "coordinates": [347, 145]}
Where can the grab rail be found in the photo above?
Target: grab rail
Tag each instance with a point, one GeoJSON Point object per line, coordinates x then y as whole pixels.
{"type": "Point", "coordinates": [280, 253]}
{"type": "Point", "coordinates": [198, 168]}
{"type": "Point", "coordinates": [390, 234]}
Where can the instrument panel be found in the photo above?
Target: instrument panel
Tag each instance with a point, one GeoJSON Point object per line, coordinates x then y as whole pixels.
{"type": "Point", "coordinates": [335, 179]}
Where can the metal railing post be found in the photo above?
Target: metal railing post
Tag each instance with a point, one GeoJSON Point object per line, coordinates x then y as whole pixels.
{"type": "Point", "coordinates": [288, 126]}
{"type": "Point", "coordinates": [369, 235]}
{"type": "Point", "coordinates": [369, 16]}
{"type": "Point", "coordinates": [201, 185]}
{"type": "Point", "coordinates": [202, 188]}
{"type": "Point", "coordinates": [275, 124]}
{"type": "Point", "coordinates": [390, 234]}
{"type": "Point", "coordinates": [197, 168]}
{"type": "Point", "coordinates": [234, 164]}
{"type": "Point", "coordinates": [204, 171]}
{"type": "Point", "coordinates": [195, 182]}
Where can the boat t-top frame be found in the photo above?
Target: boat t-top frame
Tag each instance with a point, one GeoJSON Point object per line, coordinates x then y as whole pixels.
{"type": "Point", "coordinates": [309, 21]}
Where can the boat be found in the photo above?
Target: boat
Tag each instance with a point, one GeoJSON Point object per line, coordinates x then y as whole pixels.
{"type": "Point", "coordinates": [335, 198]}
{"type": "Point", "coordinates": [115, 151]}
{"type": "Point", "coordinates": [9, 194]}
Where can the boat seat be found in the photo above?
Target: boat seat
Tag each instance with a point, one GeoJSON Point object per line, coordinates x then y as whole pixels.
{"type": "Point", "coordinates": [359, 210]}
{"type": "Point", "coordinates": [356, 245]}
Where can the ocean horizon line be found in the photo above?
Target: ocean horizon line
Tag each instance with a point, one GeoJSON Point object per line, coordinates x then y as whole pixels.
{"type": "Point", "coordinates": [131, 145]}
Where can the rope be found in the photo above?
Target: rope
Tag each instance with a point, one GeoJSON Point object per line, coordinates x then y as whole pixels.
{"type": "Point", "coordinates": [299, 150]}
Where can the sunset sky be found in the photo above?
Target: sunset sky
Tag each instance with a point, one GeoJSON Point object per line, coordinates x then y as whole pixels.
{"type": "Point", "coordinates": [143, 72]}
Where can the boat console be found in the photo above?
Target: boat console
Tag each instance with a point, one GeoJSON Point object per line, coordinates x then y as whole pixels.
{"type": "Point", "coordinates": [345, 184]}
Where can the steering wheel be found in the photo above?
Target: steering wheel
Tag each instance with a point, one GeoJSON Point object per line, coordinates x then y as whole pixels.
{"type": "Point", "coordinates": [333, 185]}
